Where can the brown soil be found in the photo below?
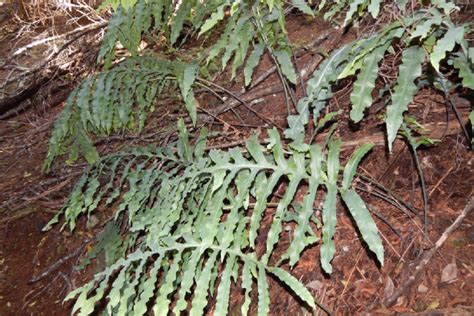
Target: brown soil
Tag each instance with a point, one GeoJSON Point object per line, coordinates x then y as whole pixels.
{"type": "Point", "coordinates": [29, 199]}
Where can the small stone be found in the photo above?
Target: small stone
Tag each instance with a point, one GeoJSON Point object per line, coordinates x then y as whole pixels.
{"type": "Point", "coordinates": [389, 288]}
{"type": "Point", "coordinates": [422, 288]}
{"type": "Point", "coordinates": [315, 285]}
{"type": "Point", "coordinates": [449, 273]}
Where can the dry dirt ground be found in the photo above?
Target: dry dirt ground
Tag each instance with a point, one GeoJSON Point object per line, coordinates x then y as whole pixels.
{"type": "Point", "coordinates": [37, 269]}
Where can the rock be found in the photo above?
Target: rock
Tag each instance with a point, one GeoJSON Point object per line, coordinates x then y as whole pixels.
{"type": "Point", "coordinates": [449, 273]}
{"type": "Point", "coordinates": [422, 288]}
{"type": "Point", "coordinates": [315, 285]}
{"type": "Point", "coordinates": [389, 288]}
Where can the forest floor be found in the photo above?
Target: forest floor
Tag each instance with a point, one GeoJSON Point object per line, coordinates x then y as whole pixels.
{"type": "Point", "coordinates": [37, 269]}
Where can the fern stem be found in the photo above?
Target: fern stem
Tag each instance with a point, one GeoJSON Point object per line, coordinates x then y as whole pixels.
{"type": "Point", "coordinates": [414, 145]}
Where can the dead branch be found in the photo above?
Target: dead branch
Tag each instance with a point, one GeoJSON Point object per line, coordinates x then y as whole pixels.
{"type": "Point", "coordinates": [82, 29]}
{"type": "Point", "coordinates": [59, 263]}
{"type": "Point", "coordinates": [428, 255]}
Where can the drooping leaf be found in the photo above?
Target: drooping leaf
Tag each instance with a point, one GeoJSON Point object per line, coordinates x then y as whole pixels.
{"type": "Point", "coordinates": [361, 96]}
{"type": "Point", "coordinates": [350, 168]}
{"type": "Point", "coordinates": [295, 285]}
{"type": "Point", "coordinates": [365, 223]}
{"type": "Point", "coordinates": [252, 62]}
{"type": "Point", "coordinates": [286, 65]}
{"type": "Point", "coordinates": [302, 6]}
{"type": "Point", "coordinates": [446, 44]}
{"type": "Point", "coordinates": [405, 89]}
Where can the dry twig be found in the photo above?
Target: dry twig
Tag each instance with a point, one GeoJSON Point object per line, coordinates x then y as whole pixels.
{"type": "Point", "coordinates": [428, 255]}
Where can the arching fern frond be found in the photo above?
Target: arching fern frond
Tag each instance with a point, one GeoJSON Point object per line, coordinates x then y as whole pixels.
{"type": "Point", "coordinates": [197, 212]}
{"type": "Point", "coordinates": [117, 99]}
{"type": "Point", "coordinates": [428, 35]}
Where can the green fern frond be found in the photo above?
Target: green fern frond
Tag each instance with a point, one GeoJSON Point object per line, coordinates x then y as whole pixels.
{"type": "Point", "coordinates": [117, 99]}
{"type": "Point", "coordinates": [194, 214]}
{"type": "Point", "coordinates": [132, 19]}
{"type": "Point", "coordinates": [319, 90]}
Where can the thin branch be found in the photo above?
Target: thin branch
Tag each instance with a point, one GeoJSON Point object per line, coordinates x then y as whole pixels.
{"type": "Point", "coordinates": [85, 28]}
{"type": "Point", "coordinates": [428, 255]}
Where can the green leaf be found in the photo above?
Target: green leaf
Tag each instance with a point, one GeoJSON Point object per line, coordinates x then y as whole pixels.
{"type": "Point", "coordinates": [223, 292]}
{"type": "Point", "coordinates": [294, 285]}
{"type": "Point", "coordinates": [286, 65]}
{"type": "Point", "coordinates": [246, 285]}
{"type": "Point", "coordinates": [353, 9]}
{"type": "Point", "coordinates": [405, 89]}
{"type": "Point", "coordinates": [275, 229]}
{"type": "Point", "coordinates": [202, 286]}
{"type": "Point", "coordinates": [446, 44]}
{"type": "Point", "coordinates": [162, 303]}
{"type": "Point", "coordinates": [351, 166]}
{"type": "Point", "coordinates": [252, 62]}
{"type": "Point", "coordinates": [302, 6]}
{"type": "Point", "coordinates": [471, 118]}
{"type": "Point", "coordinates": [188, 78]}
{"type": "Point", "coordinates": [299, 242]}
{"type": "Point", "coordinates": [263, 295]}
{"type": "Point", "coordinates": [328, 249]}
{"type": "Point", "coordinates": [333, 161]}
{"type": "Point", "coordinates": [361, 96]}
{"type": "Point", "coordinates": [178, 21]}
{"type": "Point", "coordinates": [374, 8]}
{"type": "Point", "coordinates": [215, 17]}
{"type": "Point", "coordinates": [187, 281]}
{"type": "Point", "coordinates": [423, 29]}
{"type": "Point", "coordinates": [466, 71]}
{"type": "Point", "coordinates": [191, 105]}
{"type": "Point", "coordinates": [364, 221]}
{"type": "Point", "coordinates": [149, 286]}
{"type": "Point", "coordinates": [318, 90]}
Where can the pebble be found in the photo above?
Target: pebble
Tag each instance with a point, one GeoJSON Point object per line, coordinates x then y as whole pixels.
{"type": "Point", "coordinates": [422, 288]}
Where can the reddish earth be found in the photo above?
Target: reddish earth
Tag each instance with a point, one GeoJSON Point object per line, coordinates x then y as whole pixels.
{"type": "Point", "coordinates": [28, 199]}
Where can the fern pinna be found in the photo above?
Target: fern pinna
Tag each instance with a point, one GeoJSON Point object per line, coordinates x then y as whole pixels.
{"type": "Point", "coordinates": [193, 215]}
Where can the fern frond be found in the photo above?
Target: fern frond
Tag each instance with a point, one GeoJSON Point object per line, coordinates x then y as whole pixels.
{"type": "Point", "coordinates": [117, 99]}
{"type": "Point", "coordinates": [194, 214]}
{"type": "Point", "coordinates": [319, 91]}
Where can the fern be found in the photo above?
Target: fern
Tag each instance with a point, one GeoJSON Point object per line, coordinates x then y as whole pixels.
{"type": "Point", "coordinates": [132, 19]}
{"type": "Point", "coordinates": [194, 217]}
{"type": "Point", "coordinates": [428, 31]}
{"type": "Point", "coordinates": [193, 209]}
{"type": "Point", "coordinates": [117, 99]}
